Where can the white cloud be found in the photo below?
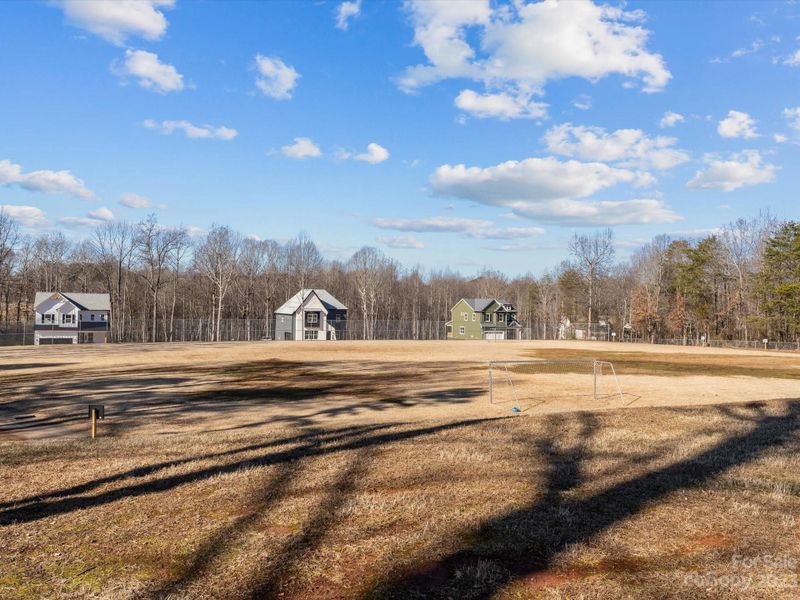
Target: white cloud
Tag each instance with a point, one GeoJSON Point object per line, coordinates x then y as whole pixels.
{"type": "Point", "coordinates": [629, 147]}
{"type": "Point", "coordinates": [432, 224]}
{"type": "Point", "coordinates": [752, 49]}
{"type": "Point", "coordinates": [102, 214]}
{"type": "Point", "coordinates": [670, 119]}
{"type": "Point", "coordinates": [792, 115]}
{"type": "Point", "coordinates": [737, 125]}
{"type": "Point", "coordinates": [502, 105]}
{"type": "Point", "coordinates": [375, 154]}
{"type": "Point", "coordinates": [780, 138]}
{"type": "Point", "coordinates": [195, 231]}
{"type": "Point", "coordinates": [346, 11]}
{"type": "Point", "coordinates": [193, 131]}
{"type": "Point", "coordinates": [408, 242]}
{"type": "Point", "coordinates": [48, 182]}
{"type": "Point", "coordinates": [532, 179]}
{"type": "Point", "coordinates": [548, 189]}
{"type": "Point", "coordinates": [116, 20]}
{"type": "Point", "coordinates": [92, 219]}
{"type": "Point", "coordinates": [275, 78]}
{"type": "Point", "coordinates": [522, 46]}
{"type": "Point", "coordinates": [507, 233]}
{"type": "Point", "coordinates": [742, 168]}
{"type": "Point", "coordinates": [514, 247]}
{"type": "Point", "coordinates": [150, 72]}
{"type": "Point", "coordinates": [28, 216]}
{"type": "Point", "coordinates": [473, 228]}
{"type": "Point", "coordinates": [136, 201]}
{"type": "Point", "coordinates": [793, 60]}
{"type": "Point", "coordinates": [303, 147]}
{"type": "Point", "coordinates": [698, 232]}
{"type": "Point", "coordinates": [566, 211]}
{"type": "Point", "coordinates": [582, 102]}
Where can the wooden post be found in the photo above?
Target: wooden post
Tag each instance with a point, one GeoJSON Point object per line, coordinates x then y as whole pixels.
{"type": "Point", "coordinates": [94, 423]}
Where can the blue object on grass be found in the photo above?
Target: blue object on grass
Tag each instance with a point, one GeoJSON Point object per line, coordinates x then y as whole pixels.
{"type": "Point", "coordinates": [516, 409]}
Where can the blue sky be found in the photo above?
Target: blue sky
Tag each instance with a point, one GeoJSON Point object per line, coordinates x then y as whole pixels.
{"type": "Point", "coordinates": [461, 135]}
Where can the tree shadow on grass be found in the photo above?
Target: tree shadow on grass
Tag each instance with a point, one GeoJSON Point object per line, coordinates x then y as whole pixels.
{"type": "Point", "coordinates": [194, 395]}
{"type": "Point", "coordinates": [312, 436]}
{"type": "Point", "coordinates": [56, 504]}
{"type": "Point", "coordinates": [524, 543]}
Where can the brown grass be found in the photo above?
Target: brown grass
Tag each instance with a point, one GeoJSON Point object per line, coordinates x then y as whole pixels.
{"type": "Point", "coordinates": [405, 492]}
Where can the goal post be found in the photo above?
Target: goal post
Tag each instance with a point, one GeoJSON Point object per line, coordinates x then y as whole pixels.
{"type": "Point", "coordinates": [527, 382]}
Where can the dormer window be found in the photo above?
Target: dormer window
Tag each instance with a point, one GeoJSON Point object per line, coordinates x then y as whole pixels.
{"type": "Point", "coordinates": [48, 318]}
{"type": "Point", "coordinates": [68, 318]}
{"type": "Point", "coordinates": [488, 318]}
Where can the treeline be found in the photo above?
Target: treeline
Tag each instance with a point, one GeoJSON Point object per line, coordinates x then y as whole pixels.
{"type": "Point", "coordinates": [740, 283]}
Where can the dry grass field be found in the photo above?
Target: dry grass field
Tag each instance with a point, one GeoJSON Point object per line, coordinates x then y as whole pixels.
{"type": "Point", "coordinates": [380, 469]}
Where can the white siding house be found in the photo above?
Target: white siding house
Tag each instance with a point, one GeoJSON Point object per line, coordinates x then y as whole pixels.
{"type": "Point", "coordinates": [312, 314]}
{"type": "Point", "coordinates": [71, 318]}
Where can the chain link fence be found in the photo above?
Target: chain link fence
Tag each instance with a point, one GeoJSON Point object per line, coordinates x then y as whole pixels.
{"type": "Point", "coordinates": [242, 330]}
{"type": "Point", "coordinates": [16, 333]}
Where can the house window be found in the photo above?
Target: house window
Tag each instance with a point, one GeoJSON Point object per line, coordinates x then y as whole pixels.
{"type": "Point", "coordinates": [312, 319]}
{"type": "Point", "coordinates": [464, 316]}
{"type": "Point", "coordinates": [68, 318]}
{"type": "Point", "coordinates": [48, 318]}
{"type": "Point", "coordinates": [473, 316]}
{"type": "Point", "coordinates": [501, 317]}
{"type": "Point", "coordinates": [488, 318]}
{"type": "Point", "coordinates": [92, 317]}
{"type": "Point", "coordinates": [461, 330]}
{"type": "Point", "coordinates": [310, 334]}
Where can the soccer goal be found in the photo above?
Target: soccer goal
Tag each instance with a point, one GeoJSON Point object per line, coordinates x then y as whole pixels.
{"type": "Point", "coordinates": [526, 383]}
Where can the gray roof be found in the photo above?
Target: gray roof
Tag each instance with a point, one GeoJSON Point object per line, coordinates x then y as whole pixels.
{"type": "Point", "coordinates": [292, 304]}
{"type": "Point", "coordinates": [480, 304]}
{"type": "Point", "coordinates": [82, 300]}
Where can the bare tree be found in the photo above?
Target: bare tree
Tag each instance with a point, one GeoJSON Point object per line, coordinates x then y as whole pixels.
{"type": "Point", "coordinates": [183, 246]}
{"type": "Point", "coordinates": [9, 237]}
{"type": "Point", "coordinates": [155, 246]}
{"type": "Point", "coordinates": [304, 260]}
{"type": "Point", "coordinates": [548, 304]}
{"type": "Point", "coordinates": [365, 266]}
{"type": "Point", "coordinates": [273, 274]}
{"type": "Point", "coordinates": [594, 254]}
{"type": "Point", "coordinates": [217, 259]}
{"type": "Point", "coordinates": [743, 241]}
{"type": "Point", "coordinates": [114, 244]}
{"type": "Point", "coordinates": [649, 266]}
{"type": "Point", "coordinates": [252, 265]}
{"type": "Point", "coordinates": [50, 252]}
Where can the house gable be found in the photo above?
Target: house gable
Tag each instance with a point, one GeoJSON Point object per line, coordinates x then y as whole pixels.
{"type": "Point", "coordinates": [313, 302]}
{"type": "Point", "coordinates": [56, 303]}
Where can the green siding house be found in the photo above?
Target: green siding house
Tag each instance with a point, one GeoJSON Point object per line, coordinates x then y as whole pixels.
{"type": "Point", "coordinates": [483, 319]}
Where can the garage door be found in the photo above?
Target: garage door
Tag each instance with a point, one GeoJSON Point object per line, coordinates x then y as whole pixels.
{"type": "Point", "coordinates": [55, 340]}
{"type": "Point", "coordinates": [495, 335]}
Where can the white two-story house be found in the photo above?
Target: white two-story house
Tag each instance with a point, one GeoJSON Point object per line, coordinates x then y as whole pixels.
{"type": "Point", "coordinates": [71, 318]}
{"type": "Point", "coordinates": [312, 314]}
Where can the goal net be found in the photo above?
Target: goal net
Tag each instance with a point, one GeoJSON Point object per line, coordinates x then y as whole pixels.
{"type": "Point", "coordinates": [522, 384]}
